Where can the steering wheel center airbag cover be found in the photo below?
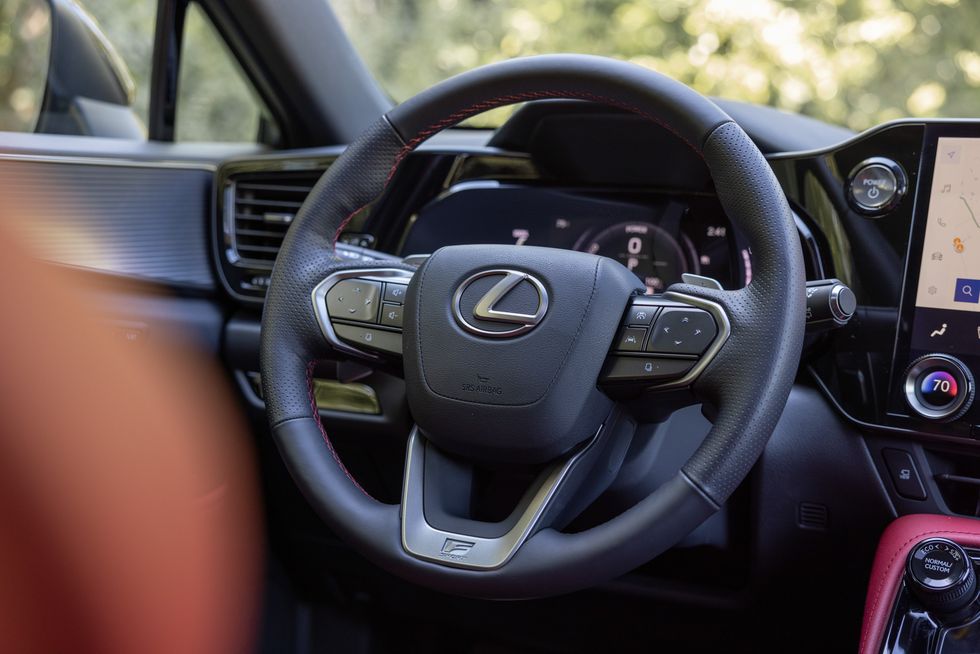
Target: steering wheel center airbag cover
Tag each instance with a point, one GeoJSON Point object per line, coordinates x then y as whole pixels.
{"type": "Point", "coordinates": [479, 303]}
{"type": "Point", "coordinates": [473, 392]}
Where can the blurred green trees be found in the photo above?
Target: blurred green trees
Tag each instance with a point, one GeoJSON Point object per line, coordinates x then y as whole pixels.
{"type": "Point", "coordinates": [25, 37]}
{"type": "Point", "coordinates": [850, 62]}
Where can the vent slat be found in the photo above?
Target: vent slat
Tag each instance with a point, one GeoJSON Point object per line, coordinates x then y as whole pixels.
{"type": "Point", "coordinates": [284, 188]}
{"type": "Point", "coordinates": [254, 202]}
{"type": "Point", "coordinates": [266, 249]}
{"type": "Point", "coordinates": [260, 233]}
{"type": "Point", "coordinates": [268, 219]}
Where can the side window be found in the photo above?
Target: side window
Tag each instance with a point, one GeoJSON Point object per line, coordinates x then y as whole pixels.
{"type": "Point", "coordinates": [216, 101]}
{"type": "Point", "coordinates": [84, 67]}
{"type": "Point", "coordinates": [25, 44]}
{"type": "Point", "coordinates": [127, 26]}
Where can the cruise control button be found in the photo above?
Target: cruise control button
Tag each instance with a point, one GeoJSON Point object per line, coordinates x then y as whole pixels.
{"type": "Point", "coordinates": [370, 339]}
{"type": "Point", "coordinates": [645, 368]}
{"type": "Point", "coordinates": [631, 339]}
{"type": "Point", "coordinates": [391, 314]}
{"type": "Point", "coordinates": [354, 299]}
{"type": "Point", "coordinates": [640, 315]}
{"type": "Point", "coordinates": [395, 292]}
{"type": "Point", "coordinates": [682, 331]}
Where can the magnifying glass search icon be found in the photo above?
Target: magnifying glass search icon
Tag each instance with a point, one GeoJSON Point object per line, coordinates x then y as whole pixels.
{"type": "Point", "coordinates": [967, 290]}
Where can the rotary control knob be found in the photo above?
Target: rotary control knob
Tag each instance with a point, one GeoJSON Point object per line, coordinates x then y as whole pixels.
{"type": "Point", "coordinates": [940, 574]}
{"type": "Point", "coordinates": [939, 387]}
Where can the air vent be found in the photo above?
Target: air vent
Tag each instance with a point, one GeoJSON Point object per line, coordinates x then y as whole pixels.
{"type": "Point", "coordinates": [259, 200]}
{"type": "Point", "coordinates": [258, 210]}
{"type": "Point", "coordinates": [811, 515]}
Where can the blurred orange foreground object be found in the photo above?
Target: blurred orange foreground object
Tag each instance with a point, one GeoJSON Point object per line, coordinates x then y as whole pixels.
{"type": "Point", "coordinates": [128, 505]}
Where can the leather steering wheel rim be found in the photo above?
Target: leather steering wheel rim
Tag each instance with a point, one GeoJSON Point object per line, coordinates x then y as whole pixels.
{"type": "Point", "coordinates": [748, 381]}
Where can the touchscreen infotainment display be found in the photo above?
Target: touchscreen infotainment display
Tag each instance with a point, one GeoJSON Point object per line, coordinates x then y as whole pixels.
{"type": "Point", "coordinates": [947, 299]}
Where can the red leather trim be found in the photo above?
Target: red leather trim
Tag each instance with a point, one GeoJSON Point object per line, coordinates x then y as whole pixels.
{"type": "Point", "coordinates": [886, 574]}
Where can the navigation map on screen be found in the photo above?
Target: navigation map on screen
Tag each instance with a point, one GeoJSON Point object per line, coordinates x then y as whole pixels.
{"type": "Point", "coordinates": [949, 277]}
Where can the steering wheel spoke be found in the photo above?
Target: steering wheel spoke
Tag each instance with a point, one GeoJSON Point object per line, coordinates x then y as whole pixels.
{"type": "Point", "coordinates": [361, 311]}
{"type": "Point", "coordinates": [439, 489]}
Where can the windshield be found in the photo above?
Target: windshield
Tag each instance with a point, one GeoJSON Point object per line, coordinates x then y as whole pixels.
{"type": "Point", "coordinates": [849, 62]}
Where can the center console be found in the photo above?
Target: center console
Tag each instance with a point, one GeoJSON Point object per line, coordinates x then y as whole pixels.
{"type": "Point", "coordinates": [938, 348]}
{"type": "Point", "coordinates": [922, 597]}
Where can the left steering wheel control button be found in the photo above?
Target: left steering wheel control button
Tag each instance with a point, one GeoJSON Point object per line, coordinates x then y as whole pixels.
{"type": "Point", "coordinates": [395, 292]}
{"type": "Point", "coordinates": [370, 339]}
{"type": "Point", "coordinates": [354, 299]}
{"type": "Point", "coordinates": [682, 331]}
{"type": "Point", "coordinates": [392, 314]}
{"type": "Point", "coordinates": [645, 368]}
{"type": "Point", "coordinates": [631, 339]}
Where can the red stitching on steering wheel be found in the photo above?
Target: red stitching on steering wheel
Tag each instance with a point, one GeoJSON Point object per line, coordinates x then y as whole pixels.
{"type": "Point", "coordinates": [323, 432]}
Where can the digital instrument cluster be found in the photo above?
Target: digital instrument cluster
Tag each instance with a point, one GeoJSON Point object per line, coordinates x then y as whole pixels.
{"type": "Point", "coordinates": [657, 236]}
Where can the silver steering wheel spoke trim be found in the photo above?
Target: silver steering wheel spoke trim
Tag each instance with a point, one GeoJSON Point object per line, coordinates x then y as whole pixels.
{"type": "Point", "coordinates": [424, 541]}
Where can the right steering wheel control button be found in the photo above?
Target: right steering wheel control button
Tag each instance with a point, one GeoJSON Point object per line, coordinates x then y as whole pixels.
{"type": "Point", "coordinates": [641, 315]}
{"type": "Point", "coordinates": [354, 299]}
{"type": "Point", "coordinates": [370, 339]}
{"type": "Point", "coordinates": [645, 368]}
{"type": "Point", "coordinates": [682, 331]}
{"type": "Point", "coordinates": [631, 339]}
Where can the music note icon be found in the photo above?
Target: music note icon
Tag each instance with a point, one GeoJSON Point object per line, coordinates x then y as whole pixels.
{"type": "Point", "coordinates": [947, 188]}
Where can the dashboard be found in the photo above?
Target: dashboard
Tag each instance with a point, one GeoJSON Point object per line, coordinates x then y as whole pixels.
{"type": "Point", "coordinates": [892, 213]}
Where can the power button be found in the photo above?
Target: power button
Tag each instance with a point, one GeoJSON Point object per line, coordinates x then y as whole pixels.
{"type": "Point", "coordinates": [876, 185]}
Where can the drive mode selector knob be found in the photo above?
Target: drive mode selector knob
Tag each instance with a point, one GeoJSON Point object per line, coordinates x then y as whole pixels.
{"type": "Point", "coordinates": [939, 387]}
{"type": "Point", "coordinates": [940, 574]}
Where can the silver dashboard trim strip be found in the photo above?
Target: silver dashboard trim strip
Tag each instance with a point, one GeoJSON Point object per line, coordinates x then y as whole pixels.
{"type": "Point", "coordinates": [86, 160]}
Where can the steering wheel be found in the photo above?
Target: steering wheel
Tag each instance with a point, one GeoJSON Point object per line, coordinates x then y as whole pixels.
{"type": "Point", "coordinates": [509, 353]}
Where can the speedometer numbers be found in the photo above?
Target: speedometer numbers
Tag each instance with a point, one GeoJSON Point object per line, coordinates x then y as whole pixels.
{"type": "Point", "coordinates": [654, 255]}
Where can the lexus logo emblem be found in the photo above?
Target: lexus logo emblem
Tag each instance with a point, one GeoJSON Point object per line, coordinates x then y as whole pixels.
{"type": "Point", "coordinates": [520, 323]}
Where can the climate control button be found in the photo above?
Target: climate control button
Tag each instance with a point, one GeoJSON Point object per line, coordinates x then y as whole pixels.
{"type": "Point", "coordinates": [939, 387]}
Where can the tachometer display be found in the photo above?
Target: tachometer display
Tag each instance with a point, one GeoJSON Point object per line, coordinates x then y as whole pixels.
{"type": "Point", "coordinates": [649, 251]}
